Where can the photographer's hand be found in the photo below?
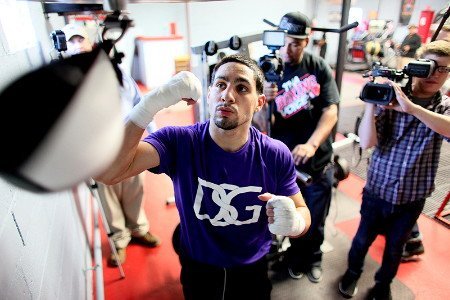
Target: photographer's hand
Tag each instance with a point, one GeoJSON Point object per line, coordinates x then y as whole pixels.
{"type": "Point", "coordinates": [303, 152]}
{"type": "Point", "coordinates": [435, 121]}
{"type": "Point", "coordinates": [270, 90]}
{"type": "Point", "coordinates": [402, 103]}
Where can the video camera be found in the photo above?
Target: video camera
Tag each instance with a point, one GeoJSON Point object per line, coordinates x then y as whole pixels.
{"type": "Point", "coordinates": [59, 40]}
{"type": "Point", "coordinates": [383, 93]}
{"type": "Point", "coordinates": [271, 64]}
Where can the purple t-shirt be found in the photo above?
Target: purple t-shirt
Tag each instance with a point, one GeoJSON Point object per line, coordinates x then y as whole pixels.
{"type": "Point", "coordinates": [223, 222]}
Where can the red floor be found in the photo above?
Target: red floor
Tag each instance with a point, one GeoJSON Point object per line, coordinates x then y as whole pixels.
{"type": "Point", "coordinates": [426, 277]}
{"type": "Point", "coordinates": [149, 273]}
{"type": "Point", "coordinates": [152, 273]}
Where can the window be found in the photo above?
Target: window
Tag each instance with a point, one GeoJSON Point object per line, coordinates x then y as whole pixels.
{"type": "Point", "coordinates": [16, 31]}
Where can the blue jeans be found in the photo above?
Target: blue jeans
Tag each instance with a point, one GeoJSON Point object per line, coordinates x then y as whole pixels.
{"type": "Point", "coordinates": [304, 251]}
{"type": "Point", "coordinates": [395, 221]}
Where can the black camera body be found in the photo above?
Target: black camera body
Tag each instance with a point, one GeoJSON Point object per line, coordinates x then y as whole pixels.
{"type": "Point", "coordinates": [272, 67]}
{"type": "Point", "coordinates": [382, 93]}
{"type": "Point", "coordinates": [271, 64]}
{"type": "Point", "coordinates": [59, 40]}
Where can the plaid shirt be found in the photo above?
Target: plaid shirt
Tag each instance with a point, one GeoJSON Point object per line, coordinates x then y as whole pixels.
{"type": "Point", "coordinates": [404, 164]}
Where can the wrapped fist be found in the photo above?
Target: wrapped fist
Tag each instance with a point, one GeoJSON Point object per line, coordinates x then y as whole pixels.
{"type": "Point", "coordinates": [183, 86]}
{"type": "Point", "coordinates": [284, 219]}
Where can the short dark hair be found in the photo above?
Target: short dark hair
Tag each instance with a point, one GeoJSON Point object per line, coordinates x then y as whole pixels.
{"type": "Point", "coordinates": [247, 61]}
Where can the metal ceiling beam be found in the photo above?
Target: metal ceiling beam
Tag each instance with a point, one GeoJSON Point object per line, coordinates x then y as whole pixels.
{"type": "Point", "coordinates": [69, 8]}
{"type": "Point", "coordinates": [130, 1]}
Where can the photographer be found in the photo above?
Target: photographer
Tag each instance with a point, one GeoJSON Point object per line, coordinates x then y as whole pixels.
{"type": "Point", "coordinates": [305, 112]}
{"type": "Point", "coordinates": [414, 245]}
{"type": "Point", "coordinates": [407, 135]}
{"type": "Point", "coordinates": [122, 202]}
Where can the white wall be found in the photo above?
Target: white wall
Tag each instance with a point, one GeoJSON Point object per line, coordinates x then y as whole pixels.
{"type": "Point", "coordinates": [45, 251]}
{"type": "Point", "coordinates": [152, 19]}
{"type": "Point", "coordinates": [16, 64]}
{"type": "Point", "coordinates": [200, 22]}
{"type": "Point", "coordinates": [221, 20]}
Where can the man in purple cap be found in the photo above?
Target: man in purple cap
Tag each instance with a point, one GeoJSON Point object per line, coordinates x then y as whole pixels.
{"type": "Point", "coordinates": [305, 112]}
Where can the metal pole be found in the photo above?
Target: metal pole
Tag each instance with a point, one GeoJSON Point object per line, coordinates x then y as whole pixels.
{"type": "Point", "coordinates": [204, 115]}
{"type": "Point", "coordinates": [98, 267]}
{"type": "Point", "coordinates": [93, 187]}
{"type": "Point", "coordinates": [342, 48]}
{"type": "Point", "coordinates": [444, 19]}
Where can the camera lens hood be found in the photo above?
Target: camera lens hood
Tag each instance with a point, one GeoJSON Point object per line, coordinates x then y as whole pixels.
{"type": "Point", "coordinates": [377, 93]}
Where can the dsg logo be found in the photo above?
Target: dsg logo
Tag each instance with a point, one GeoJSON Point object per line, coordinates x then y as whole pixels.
{"type": "Point", "coordinates": [227, 214]}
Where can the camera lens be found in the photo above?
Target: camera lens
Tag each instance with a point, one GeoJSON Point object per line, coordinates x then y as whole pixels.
{"type": "Point", "coordinates": [266, 66]}
{"type": "Point", "coordinates": [380, 94]}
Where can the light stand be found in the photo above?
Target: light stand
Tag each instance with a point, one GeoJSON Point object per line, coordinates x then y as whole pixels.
{"type": "Point", "coordinates": [93, 187]}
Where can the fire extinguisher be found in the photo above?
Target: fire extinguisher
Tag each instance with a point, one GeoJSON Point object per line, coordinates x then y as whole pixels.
{"type": "Point", "coordinates": [425, 20]}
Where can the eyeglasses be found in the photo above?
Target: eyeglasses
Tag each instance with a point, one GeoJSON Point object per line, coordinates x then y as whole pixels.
{"type": "Point", "coordinates": [442, 69]}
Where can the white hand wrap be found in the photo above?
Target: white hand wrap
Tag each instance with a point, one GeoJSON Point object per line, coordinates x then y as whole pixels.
{"type": "Point", "coordinates": [287, 220]}
{"type": "Point", "coordinates": [183, 85]}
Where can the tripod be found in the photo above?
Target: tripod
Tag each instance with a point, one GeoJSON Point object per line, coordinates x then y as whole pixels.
{"type": "Point", "coordinates": [93, 187]}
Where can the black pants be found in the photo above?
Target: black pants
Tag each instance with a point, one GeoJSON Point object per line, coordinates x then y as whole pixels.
{"type": "Point", "coordinates": [304, 252]}
{"type": "Point", "coordinates": [201, 281]}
